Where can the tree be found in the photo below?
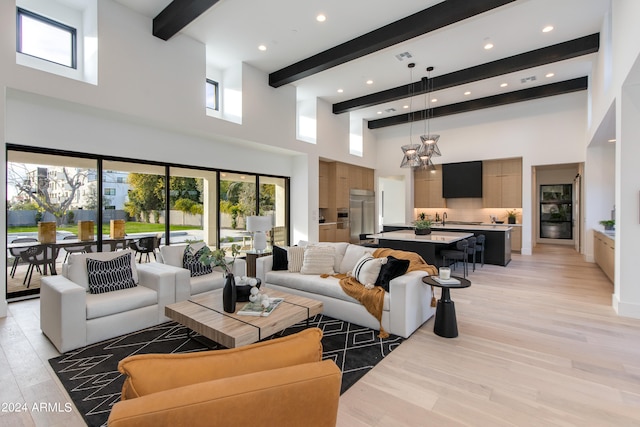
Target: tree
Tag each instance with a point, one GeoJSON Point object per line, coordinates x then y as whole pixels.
{"type": "Point", "coordinates": [40, 185]}
{"type": "Point", "coordinates": [91, 201]}
{"type": "Point", "coordinates": [184, 188]}
{"type": "Point", "coordinates": [146, 194]}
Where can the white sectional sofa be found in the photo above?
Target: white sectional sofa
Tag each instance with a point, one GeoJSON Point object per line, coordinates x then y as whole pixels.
{"type": "Point", "coordinates": [73, 317]}
{"type": "Point", "coordinates": [407, 304]}
{"type": "Point", "coordinates": [173, 256]}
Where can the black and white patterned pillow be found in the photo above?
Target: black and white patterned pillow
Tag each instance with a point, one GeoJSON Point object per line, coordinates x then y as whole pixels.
{"type": "Point", "coordinates": [112, 275]}
{"type": "Point", "coordinates": [191, 261]}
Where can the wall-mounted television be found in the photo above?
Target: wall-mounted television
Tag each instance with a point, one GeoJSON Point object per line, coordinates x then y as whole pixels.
{"type": "Point", "coordinates": [462, 179]}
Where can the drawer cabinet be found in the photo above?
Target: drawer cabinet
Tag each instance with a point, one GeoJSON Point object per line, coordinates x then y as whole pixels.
{"type": "Point", "coordinates": [604, 253]}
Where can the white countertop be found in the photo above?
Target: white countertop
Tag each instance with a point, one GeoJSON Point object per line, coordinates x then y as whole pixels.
{"type": "Point", "coordinates": [443, 237]}
{"type": "Point", "coordinates": [483, 227]}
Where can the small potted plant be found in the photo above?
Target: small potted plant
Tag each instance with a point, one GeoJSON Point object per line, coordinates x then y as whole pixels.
{"type": "Point", "coordinates": [422, 225]}
{"type": "Point", "coordinates": [511, 216]}
{"type": "Point", "coordinates": [608, 224]}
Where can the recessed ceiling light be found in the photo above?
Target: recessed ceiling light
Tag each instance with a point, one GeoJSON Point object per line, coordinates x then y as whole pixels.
{"type": "Point", "coordinates": [467, 93]}
{"type": "Point", "coordinates": [612, 140]}
{"type": "Point", "coordinates": [434, 100]}
{"type": "Point", "coordinates": [547, 29]}
{"type": "Point", "coordinates": [379, 112]}
{"type": "Point", "coordinates": [262, 47]}
{"type": "Point", "coordinates": [369, 82]}
{"type": "Point", "coordinates": [340, 90]}
{"type": "Point", "coordinates": [405, 106]}
{"type": "Point", "coordinates": [321, 18]}
{"type": "Point", "coordinates": [549, 75]}
{"type": "Point", "coordinates": [488, 45]}
{"type": "Point", "coordinates": [504, 85]}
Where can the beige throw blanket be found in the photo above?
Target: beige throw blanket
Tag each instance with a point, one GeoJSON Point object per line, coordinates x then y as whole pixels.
{"type": "Point", "coordinates": [373, 299]}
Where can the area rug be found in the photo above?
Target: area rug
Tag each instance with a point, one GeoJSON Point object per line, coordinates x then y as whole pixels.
{"type": "Point", "coordinates": [90, 374]}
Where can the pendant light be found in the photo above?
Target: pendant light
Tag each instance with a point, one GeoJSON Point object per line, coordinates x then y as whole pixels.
{"type": "Point", "coordinates": [429, 146]}
{"type": "Point", "coordinates": [411, 151]}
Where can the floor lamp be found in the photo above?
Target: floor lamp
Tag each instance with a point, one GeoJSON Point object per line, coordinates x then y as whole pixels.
{"type": "Point", "coordinates": [259, 225]}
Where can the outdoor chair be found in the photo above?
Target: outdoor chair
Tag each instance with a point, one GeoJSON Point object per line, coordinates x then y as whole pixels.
{"type": "Point", "coordinates": [145, 246]}
{"type": "Point", "coordinates": [79, 249]}
{"type": "Point", "coordinates": [15, 252]}
{"type": "Point", "coordinates": [37, 256]}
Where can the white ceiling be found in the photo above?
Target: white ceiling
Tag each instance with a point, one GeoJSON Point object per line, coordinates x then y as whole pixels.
{"type": "Point", "coordinates": [233, 29]}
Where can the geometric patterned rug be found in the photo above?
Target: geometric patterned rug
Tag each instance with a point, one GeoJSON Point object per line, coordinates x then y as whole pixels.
{"type": "Point", "coordinates": [90, 374]}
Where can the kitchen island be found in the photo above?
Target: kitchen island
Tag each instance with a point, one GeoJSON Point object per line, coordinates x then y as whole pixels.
{"type": "Point", "coordinates": [427, 246]}
{"type": "Point", "coordinates": [497, 238]}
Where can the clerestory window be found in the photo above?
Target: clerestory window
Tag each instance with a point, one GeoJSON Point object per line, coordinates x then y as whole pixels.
{"type": "Point", "coordinates": [45, 38]}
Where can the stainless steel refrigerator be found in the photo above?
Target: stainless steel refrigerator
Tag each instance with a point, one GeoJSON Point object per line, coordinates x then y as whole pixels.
{"type": "Point", "coordinates": [362, 211]}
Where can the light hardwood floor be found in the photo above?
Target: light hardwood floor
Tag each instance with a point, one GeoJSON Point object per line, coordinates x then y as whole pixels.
{"type": "Point", "coordinates": [539, 345]}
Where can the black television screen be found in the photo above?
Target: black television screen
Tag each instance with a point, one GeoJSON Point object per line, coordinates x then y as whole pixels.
{"type": "Point", "coordinates": [462, 180]}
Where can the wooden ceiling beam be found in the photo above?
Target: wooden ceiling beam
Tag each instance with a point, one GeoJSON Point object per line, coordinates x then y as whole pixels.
{"type": "Point", "coordinates": [177, 15]}
{"type": "Point", "coordinates": [436, 17]}
{"type": "Point", "coordinates": [535, 58]}
{"type": "Point", "coordinates": [559, 88]}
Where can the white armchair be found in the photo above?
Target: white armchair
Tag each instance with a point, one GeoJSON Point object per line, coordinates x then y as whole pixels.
{"type": "Point", "coordinates": [72, 317]}
{"type": "Point", "coordinates": [173, 255]}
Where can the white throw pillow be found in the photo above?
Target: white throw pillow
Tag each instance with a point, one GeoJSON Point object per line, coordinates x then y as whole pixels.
{"type": "Point", "coordinates": [295, 257]}
{"type": "Point", "coordinates": [351, 256]}
{"type": "Point", "coordinates": [318, 260]}
{"type": "Point", "coordinates": [367, 270]}
{"type": "Point", "coordinates": [340, 248]}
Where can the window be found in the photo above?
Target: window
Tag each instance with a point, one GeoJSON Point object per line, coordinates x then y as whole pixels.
{"type": "Point", "coordinates": [45, 38]}
{"type": "Point", "coordinates": [212, 95]}
{"type": "Point", "coordinates": [109, 191]}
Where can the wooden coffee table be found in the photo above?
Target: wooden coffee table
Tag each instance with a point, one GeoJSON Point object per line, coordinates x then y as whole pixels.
{"type": "Point", "coordinates": [204, 314]}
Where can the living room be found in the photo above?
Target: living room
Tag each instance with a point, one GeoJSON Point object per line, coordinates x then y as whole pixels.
{"type": "Point", "coordinates": [137, 108]}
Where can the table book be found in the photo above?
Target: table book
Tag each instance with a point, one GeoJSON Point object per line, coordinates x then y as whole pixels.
{"type": "Point", "coordinates": [256, 309]}
{"type": "Point", "coordinates": [451, 281]}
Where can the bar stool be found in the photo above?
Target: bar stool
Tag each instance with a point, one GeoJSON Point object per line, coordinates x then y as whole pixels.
{"type": "Point", "coordinates": [460, 253]}
{"type": "Point", "coordinates": [480, 238]}
{"type": "Point", "coordinates": [471, 250]}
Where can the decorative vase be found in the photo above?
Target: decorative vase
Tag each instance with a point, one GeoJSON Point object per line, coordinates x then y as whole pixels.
{"type": "Point", "coordinates": [229, 294]}
{"type": "Point", "coordinates": [423, 231]}
{"type": "Point", "coordinates": [511, 220]}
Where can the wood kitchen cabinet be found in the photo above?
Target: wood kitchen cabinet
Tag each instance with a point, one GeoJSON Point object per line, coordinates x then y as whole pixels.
{"type": "Point", "coordinates": [427, 189]}
{"type": "Point", "coordinates": [324, 185]}
{"type": "Point", "coordinates": [327, 232]}
{"type": "Point", "coordinates": [604, 253]}
{"type": "Point", "coordinates": [516, 239]}
{"type": "Point", "coordinates": [341, 185]}
{"type": "Point", "coordinates": [502, 183]}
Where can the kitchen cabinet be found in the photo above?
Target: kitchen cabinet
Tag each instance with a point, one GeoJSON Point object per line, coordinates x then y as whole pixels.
{"type": "Point", "coordinates": [355, 177]}
{"type": "Point", "coordinates": [324, 185]}
{"type": "Point", "coordinates": [502, 183]}
{"type": "Point", "coordinates": [342, 235]}
{"type": "Point", "coordinates": [327, 232]}
{"type": "Point", "coordinates": [427, 188]}
{"type": "Point", "coordinates": [341, 185]}
{"type": "Point", "coordinates": [368, 179]}
{"type": "Point", "coordinates": [604, 253]}
{"type": "Point", "coordinates": [516, 239]}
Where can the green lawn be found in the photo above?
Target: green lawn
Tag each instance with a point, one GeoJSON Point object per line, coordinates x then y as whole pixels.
{"type": "Point", "coordinates": [130, 228]}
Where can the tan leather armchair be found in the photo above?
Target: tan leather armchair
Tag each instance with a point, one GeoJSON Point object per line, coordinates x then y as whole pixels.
{"type": "Point", "coordinates": [280, 382]}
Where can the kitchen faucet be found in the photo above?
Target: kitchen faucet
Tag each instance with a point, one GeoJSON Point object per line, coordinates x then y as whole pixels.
{"type": "Point", "coordinates": [444, 216]}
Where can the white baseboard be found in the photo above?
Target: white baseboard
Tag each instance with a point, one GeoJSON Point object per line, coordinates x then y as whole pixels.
{"type": "Point", "coordinates": [625, 309]}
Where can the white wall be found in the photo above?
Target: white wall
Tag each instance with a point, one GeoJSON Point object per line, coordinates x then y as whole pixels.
{"type": "Point", "coordinates": [543, 132]}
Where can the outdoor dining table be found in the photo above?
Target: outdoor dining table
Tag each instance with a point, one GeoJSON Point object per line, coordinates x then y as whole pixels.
{"type": "Point", "coordinates": [61, 244]}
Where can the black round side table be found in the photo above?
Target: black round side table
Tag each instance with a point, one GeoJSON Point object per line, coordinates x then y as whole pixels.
{"type": "Point", "coordinates": [446, 324]}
